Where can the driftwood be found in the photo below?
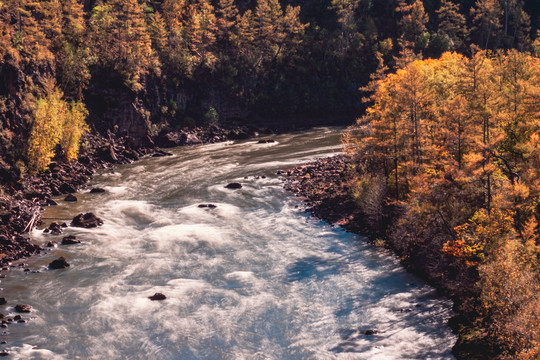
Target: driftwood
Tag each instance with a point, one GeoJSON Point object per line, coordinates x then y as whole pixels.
{"type": "Point", "coordinates": [32, 221]}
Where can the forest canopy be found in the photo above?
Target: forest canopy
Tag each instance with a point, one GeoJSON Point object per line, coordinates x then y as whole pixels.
{"type": "Point", "coordinates": [455, 144]}
{"type": "Point", "coordinates": [168, 63]}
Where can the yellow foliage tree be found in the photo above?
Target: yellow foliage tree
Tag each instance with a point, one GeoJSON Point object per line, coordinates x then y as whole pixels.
{"type": "Point", "coordinates": [56, 122]}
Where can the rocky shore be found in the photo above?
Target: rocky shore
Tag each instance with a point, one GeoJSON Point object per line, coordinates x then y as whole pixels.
{"type": "Point", "coordinates": [326, 188]}
{"type": "Point", "coordinates": [24, 195]}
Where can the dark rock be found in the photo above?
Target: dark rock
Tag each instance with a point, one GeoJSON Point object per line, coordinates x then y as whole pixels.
{"type": "Point", "coordinates": [4, 353]}
{"type": "Point", "coordinates": [87, 220]}
{"type": "Point", "coordinates": [59, 263]}
{"type": "Point", "coordinates": [3, 301]}
{"type": "Point", "coordinates": [70, 198]}
{"type": "Point", "coordinates": [17, 317]}
{"type": "Point", "coordinates": [209, 206]}
{"type": "Point", "coordinates": [70, 240]}
{"type": "Point", "coordinates": [23, 308]}
{"type": "Point", "coordinates": [234, 186]}
{"type": "Point", "coordinates": [46, 231]}
{"type": "Point", "coordinates": [266, 141]}
{"type": "Point", "coordinates": [67, 188]}
{"type": "Point", "coordinates": [51, 202]}
{"type": "Point", "coordinates": [22, 321]}
{"type": "Point", "coordinates": [189, 139]}
{"type": "Point", "coordinates": [370, 332]}
{"type": "Point", "coordinates": [97, 191]}
{"type": "Point", "coordinates": [55, 228]}
{"type": "Point", "coordinates": [157, 296]}
{"type": "Point", "coordinates": [239, 134]}
{"type": "Point", "coordinates": [64, 225]}
{"type": "Point", "coordinates": [35, 195]}
{"type": "Point", "coordinates": [168, 139]}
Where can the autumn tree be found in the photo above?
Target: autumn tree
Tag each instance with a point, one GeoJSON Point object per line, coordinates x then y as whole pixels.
{"type": "Point", "coordinates": [412, 23]}
{"type": "Point", "coordinates": [453, 24]}
{"type": "Point", "coordinates": [121, 42]}
{"type": "Point", "coordinates": [486, 16]}
{"type": "Point", "coordinates": [56, 123]}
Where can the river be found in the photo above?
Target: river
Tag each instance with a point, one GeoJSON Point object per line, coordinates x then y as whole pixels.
{"type": "Point", "coordinates": [254, 278]}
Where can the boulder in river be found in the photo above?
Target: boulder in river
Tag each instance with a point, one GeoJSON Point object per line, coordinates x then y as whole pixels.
{"type": "Point", "coordinates": [266, 141]}
{"type": "Point", "coordinates": [55, 228]}
{"type": "Point", "coordinates": [234, 186]}
{"type": "Point", "coordinates": [370, 332]}
{"type": "Point", "coordinates": [70, 240]}
{"type": "Point", "coordinates": [23, 308]}
{"type": "Point", "coordinates": [157, 296]}
{"type": "Point", "coordinates": [97, 191]}
{"type": "Point", "coordinates": [59, 263]}
{"type": "Point", "coordinates": [70, 198]}
{"type": "Point", "coordinates": [51, 244]}
{"type": "Point", "coordinates": [207, 206]}
{"type": "Point", "coordinates": [3, 301]}
{"type": "Point", "coordinates": [88, 220]}
{"type": "Point", "coordinates": [49, 202]}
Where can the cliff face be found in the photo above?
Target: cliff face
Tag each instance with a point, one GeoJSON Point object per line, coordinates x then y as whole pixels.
{"type": "Point", "coordinates": [114, 107]}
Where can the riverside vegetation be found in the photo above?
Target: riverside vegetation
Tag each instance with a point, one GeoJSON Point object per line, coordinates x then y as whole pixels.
{"type": "Point", "coordinates": [444, 169]}
{"type": "Point", "coordinates": [444, 165]}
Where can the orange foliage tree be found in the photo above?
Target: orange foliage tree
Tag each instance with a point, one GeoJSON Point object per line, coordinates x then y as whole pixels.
{"type": "Point", "coordinates": [456, 141]}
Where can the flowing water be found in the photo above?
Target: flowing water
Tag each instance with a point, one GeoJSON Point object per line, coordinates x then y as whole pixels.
{"type": "Point", "coordinates": [254, 278]}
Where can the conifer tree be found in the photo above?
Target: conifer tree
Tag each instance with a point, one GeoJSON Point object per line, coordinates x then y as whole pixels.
{"type": "Point", "coordinates": [121, 42]}
{"type": "Point", "coordinates": [486, 18]}
{"type": "Point", "coordinates": [453, 24]}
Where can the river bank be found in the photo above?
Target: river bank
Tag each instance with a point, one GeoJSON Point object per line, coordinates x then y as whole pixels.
{"type": "Point", "coordinates": [327, 187]}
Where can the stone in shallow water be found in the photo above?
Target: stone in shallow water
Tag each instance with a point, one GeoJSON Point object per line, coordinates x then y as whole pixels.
{"type": "Point", "coordinates": [157, 296]}
{"type": "Point", "coordinates": [55, 228]}
{"type": "Point", "coordinates": [70, 240]}
{"type": "Point", "coordinates": [59, 263]}
{"type": "Point", "coordinates": [70, 198]}
{"type": "Point", "coordinates": [23, 308]}
{"type": "Point", "coordinates": [97, 191]}
{"type": "Point", "coordinates": [3, 301]}
{"type": "Point", "coordinates": [234, 186]}
{"type": "Point", "coordinates": [209, 206]}
{"type": "Point", "coordinates": [87, 220]}
{"type": "Point", "coordinates": [370, 332]}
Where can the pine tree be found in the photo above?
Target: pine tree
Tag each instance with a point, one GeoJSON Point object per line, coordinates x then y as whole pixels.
{"type": "Point", "coordinates": [120, 41]}
{"type": "Point", "coordinates": [453, 24]}
{"type": "Point", "coordinates": [486, 18]}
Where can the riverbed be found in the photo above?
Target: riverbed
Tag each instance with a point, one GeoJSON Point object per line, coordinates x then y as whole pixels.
{"type": "Point", "coordinates": [253, 278]}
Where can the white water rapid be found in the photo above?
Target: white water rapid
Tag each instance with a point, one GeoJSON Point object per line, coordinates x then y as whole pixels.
{"type": "Point", "coordinates": [254, 278]}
